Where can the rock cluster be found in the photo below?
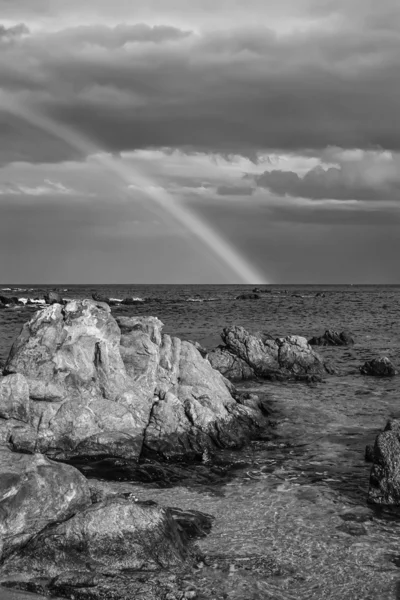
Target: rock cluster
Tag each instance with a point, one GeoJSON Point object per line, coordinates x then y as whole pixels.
{"type": "Point", "coordinates": [78, 382]}
{"type": "Point", "coordinates": [245, 356]}
{"type": "Point", "coordinates": [332, 338]}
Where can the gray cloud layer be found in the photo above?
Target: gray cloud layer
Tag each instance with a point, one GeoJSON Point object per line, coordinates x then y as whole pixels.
{"type": "Point", "coordinates": [239, 91]}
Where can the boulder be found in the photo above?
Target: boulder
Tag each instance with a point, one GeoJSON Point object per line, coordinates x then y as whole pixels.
{"type": "Point", "coordinates": [100, 298]}
{"type": "Point", "coordinates": [53, 298]}
{"type": "Point", "coordinates": [83, 384]}
{"type": "Point", "coordinates": [281, 358]}
{"type": "Point", "coordinates": [106, 538]}
{"type": "Point", "coordinates": [35, 492]}
{"type": "Point", "coordinates": [261, 291]}
{"type": "Point", "coordinates": [332, 338]}
{"type": "Point", "coordinates": [378, 367]}
{"type": "Point", "coordinates": [248, 297]}
{"type": "Point", "coordinates": [384, 483]}
{"type": "Point", "coordinates": [8, 300]}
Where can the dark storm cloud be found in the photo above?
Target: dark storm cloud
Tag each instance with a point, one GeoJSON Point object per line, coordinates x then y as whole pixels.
{"type": "Point", "coordinates": [238, 91]}
{"type": "Point", "coordinates": [335, 183]}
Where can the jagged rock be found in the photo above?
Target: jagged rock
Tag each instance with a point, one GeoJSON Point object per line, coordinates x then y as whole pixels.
{"type": "Point", "coordinates": [384, 483]}
{"type": "Point", "coordinates": [79, 390]}
{"type": "Point", "coordinates": [248, 297]}
{"type": "Point", "coordinates": [102, 388]}
{"type": "Point", "coordinates": [53, 298]}
{"type": "Point", "coordinates": [332, 338]}
{"type": "Point", "coordinates": [231, 366]}
{"type": "Point", "coordinates": [203, 351]}
{"type": "Point", "coordinates": [378, 367]}
{"type": "Point", "coordinates": [265, 357]}
{"type": "Point", "coordinates": [35, 492]}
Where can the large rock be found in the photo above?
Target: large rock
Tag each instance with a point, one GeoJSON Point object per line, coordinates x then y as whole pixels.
{"type": "Point", "coordinates": [384, 484]}
{"type": "Point", "coordinates": [80, 394]}
{"type": "Point", "coordinates": [378, 367]}
{"type": "Point", "coordinates": [83, 384]}
{"type": "Point", "coordinates": [35, 492]}
{"type": "Point", "coordinates": [263, 356]}
{"type": "Point", "coordinates": [333, 338]}
{"type": "Point", "coordinates": [108, 537]}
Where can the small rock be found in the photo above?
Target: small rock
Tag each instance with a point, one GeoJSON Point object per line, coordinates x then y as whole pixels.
{"type": "Point", "coordinates": [378, 367]}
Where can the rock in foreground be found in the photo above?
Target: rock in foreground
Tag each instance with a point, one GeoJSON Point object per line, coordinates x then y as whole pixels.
{"type": "Point", "coordinates": [245, 356]}
{"type": "Point", "coordinates": [378, 367]}
{"type": "Point", "coordinates": [81, 384]}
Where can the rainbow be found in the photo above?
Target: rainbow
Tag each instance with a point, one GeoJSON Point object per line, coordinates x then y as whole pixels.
{"type": "Point", "coordinates": [239, 268]}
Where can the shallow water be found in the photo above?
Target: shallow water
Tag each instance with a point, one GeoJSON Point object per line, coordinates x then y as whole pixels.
{"type": "Point", "coordinates": [293, 521]}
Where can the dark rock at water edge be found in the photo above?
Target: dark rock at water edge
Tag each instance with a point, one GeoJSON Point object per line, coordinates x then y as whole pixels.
{"type": "Point", "coordinates": [53, 298]}
{"type": "Point", "coordinates": [378, 367]}
{"type": "Point", "coordinates": [245, 356]}
{"type": "Point", "coordinates": [384, 484]}
{"type": "Point", "coordinates": [333, 338]}
{"type": "Point", "coordinates": [248, 297]}
{"type": "Point", "coordinates": [261, 291]}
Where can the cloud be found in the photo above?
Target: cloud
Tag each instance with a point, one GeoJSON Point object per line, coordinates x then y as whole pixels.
{"type": "Point", "coordinates": [230, 190]}
{"type": "Point", "coordinates": [49, 188]}
{"type": "Point", "coordinates": [7, 33]}
{"type": "Point", "coordinates": [243, 90]}
{"type": "Point", "coordinates": [359, 176]}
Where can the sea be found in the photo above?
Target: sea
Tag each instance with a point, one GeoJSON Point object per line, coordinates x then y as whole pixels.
{"type": "Point", "coordinates": [293, 521]}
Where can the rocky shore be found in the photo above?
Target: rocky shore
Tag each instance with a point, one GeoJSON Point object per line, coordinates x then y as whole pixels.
{"type": "Point", "coordinates": [86, 397]}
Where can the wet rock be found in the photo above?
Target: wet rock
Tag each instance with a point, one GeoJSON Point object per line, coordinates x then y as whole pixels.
{"type": "Point", "coordinates": [107, 538]}
{"type": "Point", "coordinates": [261, 291]}
{"type": "Point", "coordinates": [8, 300]}
{"type": "Point", "coordinates": [53, 298]}
{"type": "Point", "coordinates": [369, 453]}
{"type": "Point", "coordinates": [384, 481]}
{"type": "Point", "coordinates": [280, 358]}
{"type": "Point", "coordinates": [98, 387]}
{"type": "Point", "coordinates": [332, 338]}
{"type": "Point", "coordinates": [379, 367]}
{"type": "Point", "coordinates": [34, 493]}
{"type": "Point", "coordinates": [248, 297]}
{"type": "Point", "coordinates": [320, 295]}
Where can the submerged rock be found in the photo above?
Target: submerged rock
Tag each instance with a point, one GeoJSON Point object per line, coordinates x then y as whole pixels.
{"type": "Point", "coordinates": [384, 483]}
{"type": "Point", "coordinates": [246, 355]}
{"type": "Point", "coordinates": [83, 384]}
{"type": "Point", "coordinates": [332, 338]}
{"type": "Point", "coordinates": [378, 367]}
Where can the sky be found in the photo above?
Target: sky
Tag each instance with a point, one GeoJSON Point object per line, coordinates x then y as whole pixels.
{"type": "Point", "coordinates": [274, 125]}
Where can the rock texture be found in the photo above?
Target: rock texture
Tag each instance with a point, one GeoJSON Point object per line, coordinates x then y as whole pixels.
{"type": "Point", "coordinates": [80, 383]}
{"type": "Point", "coordinates": [378, 367]}
{"type": "Point", "coordinates": [53, 298]}
{"type": "Point", "coordinates": [333, 338]}
{"type": "Point", "coordinates": [384, 484]}
{"type": "Point", "coordinates": [35, 492]}
{"type": "Point", "coordinates": [106, 538]}
{"type": "Point", "coordinates": [245, 355]}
